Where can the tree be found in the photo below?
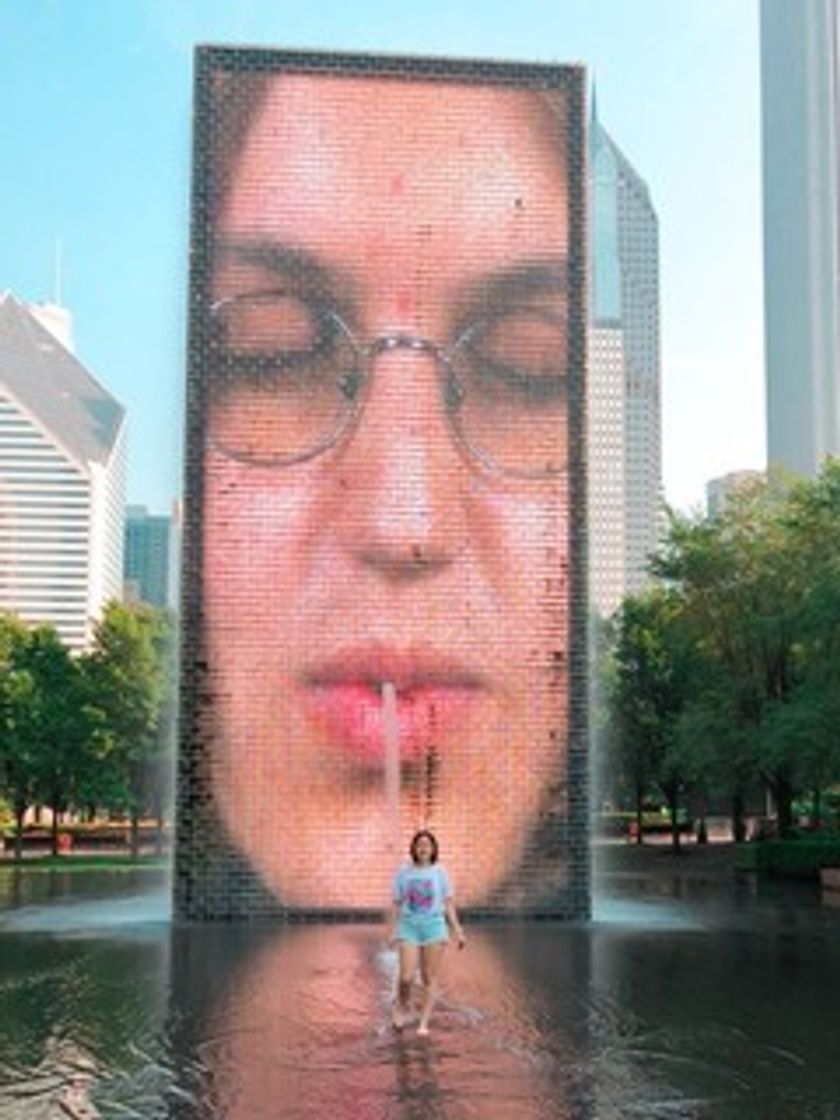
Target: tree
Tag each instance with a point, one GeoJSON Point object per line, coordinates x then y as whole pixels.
{"type": "Point", "coordinates": [728, 672]}
{"type": "Point", "coordinates": [158, 779]}
{"type": "Point", "coordinates": [17, 778]}
{"type": "Point", "coordinates": [60, 722]}
{"type": "Point", "coordinates": [741, 586]}
{"type": "Point", "coordinates": [45, 722]}
{"type": "Point", "coordinates": [127, 674]}
{"type": "Point", "coordinates": [810, 721]}
{"type": "Point", "coordinates": [648, 692]}
{"type": "Point", "coordinates": [761, 584]}
{"type": "Point", "coordinates": [602, 639]}
{"type": "Point", "coordinates": [715, 753]}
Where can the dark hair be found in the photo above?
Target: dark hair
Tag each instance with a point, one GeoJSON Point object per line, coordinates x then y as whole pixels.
{"type": "Point", "coordinates": [417, 837]}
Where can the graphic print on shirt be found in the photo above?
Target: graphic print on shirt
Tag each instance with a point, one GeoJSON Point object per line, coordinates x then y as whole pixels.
{"type": "Point", "coordinates": [420, 895]}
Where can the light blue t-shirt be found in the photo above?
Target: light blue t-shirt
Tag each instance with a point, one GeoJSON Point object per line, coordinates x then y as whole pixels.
{"type": "Point", "coordinates": [421, 890]}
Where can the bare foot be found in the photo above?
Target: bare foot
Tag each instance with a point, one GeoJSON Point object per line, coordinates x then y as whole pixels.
{"type": "Point", "coordinates": [423, 1029]}
{"type": "Point", "coordinates": [398, 1019]}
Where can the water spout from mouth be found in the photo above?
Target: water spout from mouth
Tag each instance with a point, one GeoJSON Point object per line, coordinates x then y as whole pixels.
{"type": "Point", "coordinates": [391, 736]}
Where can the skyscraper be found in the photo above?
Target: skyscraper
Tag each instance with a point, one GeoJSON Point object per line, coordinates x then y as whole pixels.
{"type": "Point", "coordinates": [625, 472]}
{"type": "Point", "coordinates": [800, 108]}
{"type": "Point", "coordinates": [62, 439]}
{"type": "Point", "coordinates": [151, 554]}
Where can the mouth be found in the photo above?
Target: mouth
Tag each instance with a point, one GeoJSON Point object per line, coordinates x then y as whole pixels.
{"type": "Point", "coordinates": [433, 697]}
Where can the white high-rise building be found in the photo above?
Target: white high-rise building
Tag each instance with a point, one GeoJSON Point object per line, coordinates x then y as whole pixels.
{"type": "Point", "coordinates": [62, 447]}
{"type": "Point", "coordinates": [800, 108]}
{"type": "Point", "coordinates": [625, 458]}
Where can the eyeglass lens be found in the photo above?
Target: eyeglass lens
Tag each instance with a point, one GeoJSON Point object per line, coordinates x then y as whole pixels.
{"type": "Point", "coordinates": [286, 379]}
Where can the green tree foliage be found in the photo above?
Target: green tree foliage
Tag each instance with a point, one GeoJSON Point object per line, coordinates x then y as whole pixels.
{"type": "Point", "coordinates": [91, 731]}
{"type": "Point", "coordinates": [60, 722]}
{"type": "Point", "coordinates": [47, 722]}
{"type": "Point", "coordinates": [602, 637]}
{"type": "Point", "coordinates": [17, 750]}
{"type": "Point", "coordinates": [649, 686]}
{"type": "Point", "coordinates": [811, 721]}
{"type": "Point", "coordinates": [738, 577]}
{"type": "Point", "coordinates": [127, 674]}
{"type": "Point", "coordinates": [716, 752]}
{"type": "Point", "coordinates": [729, 671]}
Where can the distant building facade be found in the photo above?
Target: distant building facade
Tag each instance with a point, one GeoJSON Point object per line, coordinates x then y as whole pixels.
{"type": "Point", "coordinates": [625, 458]}
{"type": "Point", "coordinates": [62, 470]}
{"type": "Point", "coordinates": [720, 490]}
{"type": "Point", "coordinates": [151, 556]}
{"type": "Point", "coordinates": [800, 105]}
{"type": "Point", "coordinates": [606, 457]}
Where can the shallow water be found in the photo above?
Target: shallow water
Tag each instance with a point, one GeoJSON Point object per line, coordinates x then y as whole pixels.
{"type": "Point", "coordinates": [680, 999]}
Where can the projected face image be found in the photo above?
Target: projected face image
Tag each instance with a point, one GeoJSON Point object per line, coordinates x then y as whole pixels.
{"type": "Point", "coordinates": [385, 496]}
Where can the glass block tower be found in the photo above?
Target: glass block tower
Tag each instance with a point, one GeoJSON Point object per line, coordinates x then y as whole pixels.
{"type": "Point", "coordinates": [62, 440]}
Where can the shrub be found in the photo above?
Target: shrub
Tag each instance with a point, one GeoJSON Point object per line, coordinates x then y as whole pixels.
{"type": "Point", "coordinates": [802, 857]}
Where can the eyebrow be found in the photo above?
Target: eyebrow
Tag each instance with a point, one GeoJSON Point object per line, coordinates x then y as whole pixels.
{"type": "Point", "coordinates": [306, 268]}
{"type": "Point", "coordinates": [479, 297]}
{"type": "Point", "coordinates": [497, 290]}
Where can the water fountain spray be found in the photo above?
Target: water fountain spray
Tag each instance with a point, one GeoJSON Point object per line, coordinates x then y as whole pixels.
{"type": "Point", "coordinates": [391, 736]}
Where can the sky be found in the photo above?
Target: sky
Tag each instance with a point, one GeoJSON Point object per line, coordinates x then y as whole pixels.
{"type": "Point", "coordinates": [95, 137]}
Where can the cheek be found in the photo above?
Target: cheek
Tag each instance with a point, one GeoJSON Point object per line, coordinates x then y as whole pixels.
{"type": "Point", "coordinates": [256, 531]}
{"type": "Point", "coordinates": [533, 535]}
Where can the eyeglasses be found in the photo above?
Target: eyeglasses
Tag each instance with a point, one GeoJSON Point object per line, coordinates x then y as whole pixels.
{"type": "Point", "coordinates": [289, 379]}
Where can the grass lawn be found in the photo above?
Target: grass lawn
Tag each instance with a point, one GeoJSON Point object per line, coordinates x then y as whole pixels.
{"type": "Point", "coordinates": [86, 863]}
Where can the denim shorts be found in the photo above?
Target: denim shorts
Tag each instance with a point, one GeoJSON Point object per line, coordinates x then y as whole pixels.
{"type": "Point", "coordinates": [422, 929]}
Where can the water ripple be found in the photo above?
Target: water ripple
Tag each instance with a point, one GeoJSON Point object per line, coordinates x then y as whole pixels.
{"type": "Point", "coordinates": [655, 1011]}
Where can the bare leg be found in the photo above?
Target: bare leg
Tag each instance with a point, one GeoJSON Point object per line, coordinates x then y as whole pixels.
{"type": "Point", "coordinates": [409, 956]}
{"type": "Point", "coordinates": [431, 959]}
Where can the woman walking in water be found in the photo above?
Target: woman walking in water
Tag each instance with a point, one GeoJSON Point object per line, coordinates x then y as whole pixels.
{"type": "Point", "coordinates": [423, 911]}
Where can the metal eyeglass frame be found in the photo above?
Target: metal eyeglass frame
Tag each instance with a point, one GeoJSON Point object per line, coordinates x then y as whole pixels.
{"type": "Point", "coordinates": [355, 385]}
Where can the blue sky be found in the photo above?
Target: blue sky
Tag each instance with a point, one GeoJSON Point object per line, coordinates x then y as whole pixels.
{"type": "Point", "coordinates": [94, 153]}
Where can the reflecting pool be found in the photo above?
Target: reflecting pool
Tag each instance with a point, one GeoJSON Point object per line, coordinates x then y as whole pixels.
{"type": "Point", "coordinates": [681, 999]}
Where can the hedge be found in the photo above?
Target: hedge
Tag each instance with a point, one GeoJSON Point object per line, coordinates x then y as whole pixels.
{"type": "Point", "coordinates": [789, 857]}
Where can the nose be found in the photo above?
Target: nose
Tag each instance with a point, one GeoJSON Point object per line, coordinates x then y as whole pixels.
{"type": "Point", "coordinates": [402, 510]}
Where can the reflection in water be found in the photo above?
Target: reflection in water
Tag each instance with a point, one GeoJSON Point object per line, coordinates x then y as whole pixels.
{"type": "Point", "coordinates": [22, 887]}
{"type": "Point", "coordinates": [719, 1006]}
{"type": "Point", "coordinates": [80, 1019]}
{"type": "Point", "coordinates": [302, 1023]}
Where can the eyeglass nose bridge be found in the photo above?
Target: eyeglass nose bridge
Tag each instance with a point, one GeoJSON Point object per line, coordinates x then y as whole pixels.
{"type": "Point", "coordinates": [453, 392]}
{"type": "Point", "coordinates": [387, 343]}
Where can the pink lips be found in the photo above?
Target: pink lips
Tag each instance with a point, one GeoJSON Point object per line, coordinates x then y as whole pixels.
{"type": "Point", "coordinates": [433, 694]}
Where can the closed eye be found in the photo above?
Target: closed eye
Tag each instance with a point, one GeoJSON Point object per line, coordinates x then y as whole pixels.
{"type": "Point", "coordinates": [527, 386]}
{"type": "Point", "coordinates": [259, 335]}
{"type": "Point", "coordinates": [519, 356]}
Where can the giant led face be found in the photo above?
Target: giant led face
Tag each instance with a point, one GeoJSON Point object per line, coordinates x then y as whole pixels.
{"type": "Point", "coordinates": [385, 500]}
